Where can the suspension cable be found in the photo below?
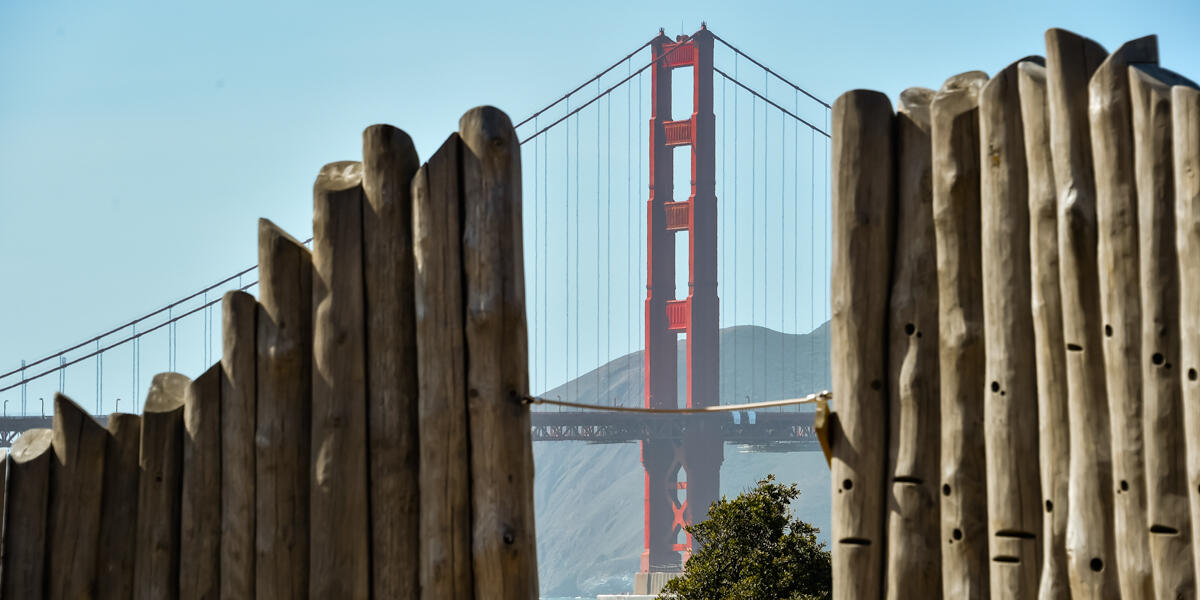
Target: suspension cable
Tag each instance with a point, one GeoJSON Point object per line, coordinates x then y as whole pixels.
{"type": "Point", "coordinates": [584, 84]}
{"type": "Point", "coordinates": [764, 99]}
{"type": "Point", "coordinates": [768, 70]}
{"type": "Point", "coordinates": [822, 396]}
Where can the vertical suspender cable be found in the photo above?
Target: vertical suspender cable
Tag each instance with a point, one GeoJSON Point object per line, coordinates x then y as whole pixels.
{"type": "Point", "coordinates": [596, 294]}
{"type": "Point", "coordinates": [725, 230]}
{"type": "Point", "coordinates": [641, 223]}
{"type": "Point", "coordinates": [537, 164]}
{"type": "Point", "coordinates": [812, 174]}
{"type": "Point", "coordinates": [753, 245]}
{"type": "Point", "coordinates": [796, 225]}
{"type": "Point", "coordinates": [567, 248]}
{"type": "Point", "coordinates": [631, 209]}
{"type": "Point", "coordinates": [578, 234]}
{"type": "Point", "coordinates": [608, 248]}
{"type": "Point", "coordinates": [544, 259]}
{"type": "Point", "coordinates": [737, 271]}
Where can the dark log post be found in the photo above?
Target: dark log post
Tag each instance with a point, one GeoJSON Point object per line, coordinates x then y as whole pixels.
{"type": "Point", "coordinates": [239, 312]}
{"type": "Point", "coordinates": [119, 508]}
{"type": "Point", "coordinates": [156, 562]}
{"type": "Point", "coordinates": [22, 568]}
{"type": "Point", "coordinates": [200, 513]}
{"type": "Point", "coordinates": [76, 487]}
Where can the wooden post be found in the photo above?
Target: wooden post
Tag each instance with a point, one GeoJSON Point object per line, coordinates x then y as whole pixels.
{"type": "Point", "coordinates": [955, 145]}
{"type": "Point", "coordinates": [200, 513]}
{"type": "Point", "coordinates": [504, 546]}
{"type": "Point", "coordinates": [156, 561]}
{"type": "Point", "coordinates": [445, 526]}
{"type": "Point", "coordinates": [339, 539]}
{"type": "Point", "coordinates": [389, 163]}
{"type": "Point", "coordinates": [118, 508]}
{"type": "Point", "coordinates": [26, 500]}
{"type": "Point", "coordinates": [76, 485]}
{"type": "Point", "coordinates": [1010, 401]}
{"type": "Point", "coordinates": [914, 549]}
{"type": "Point", "coordinates": [1185, 145]}
{"type": "Point", "coordinates": [284, 405]}
{"type": "Point", "coordinates": [1166, 449]}
{"type": "Point", "coordinates": [1049, 349]}
{"type": "Point", "coordinates": [239, 311]}
{"type": "Point", "coordinates": [1117, 252]}
{"type": "Point", "coordinates": [1070, 62]}
{"type": "Point", "coordinates": [863, 206]}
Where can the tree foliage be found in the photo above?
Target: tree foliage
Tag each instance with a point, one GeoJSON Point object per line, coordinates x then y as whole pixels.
{"type": "Point", "coordinates": [751, 548]}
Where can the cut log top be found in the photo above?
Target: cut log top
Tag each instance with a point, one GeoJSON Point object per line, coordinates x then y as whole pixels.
{"type": "Point", "coordinates": [488, 125]}
{"type": "Point", "coordinates": [914, 102]}
{"type": "Point", "coordinates": [1157, 76]}
{"type": "Point", "coordinates": [960, 92]}
{"type": "Point", "coordinates": [166, 393]}
{"type": "Point", "coordinates": [31, 445]}
{"type": "Point", "coordinates": [70, 421]}
{"type": "Point", "coordinates": [338, 176]}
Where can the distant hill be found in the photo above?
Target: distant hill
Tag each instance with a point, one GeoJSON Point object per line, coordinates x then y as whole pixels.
{"type": "Point", "coordinates": [588, 497]}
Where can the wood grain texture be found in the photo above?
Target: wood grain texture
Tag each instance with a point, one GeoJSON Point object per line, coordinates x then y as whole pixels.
{"type": "Point", "coordinates": [200, 511]}
{"type": "Point", "coordinates": [864, 197]}
{"type": "Point", "coordinates": [1120, 308]}
{"type": "Point", "coordinates": [156, 560]}
{"type": "Point", "coordinates": [284, 411]}
{"type": "Point", "coordinates": [389, 163]}
{"type": "Point", "coordinates": [239, 313]}
{"type": "Point", "coordinates": [22, 564]}
{"type": "Point", "coordinates": [1054, 431]}
{"type": "Point", "coordinates": [76, 488]}
{"type": "Point", "coordinates": [445, 471]}
{"type": "Point", "coordinates": [1010, 401]}
{"type": "Point", "coordinates": [913, 567]}
{"type": "Point", "coordinates": [119, 507]}
{"type": "Point", "coordinates": [339, 537]}
{"type": "Point", "coordinates": [1185, 146]}
{"type": "Point", "coordinates": [504, 543]}
{"type": "Point", "coordinates": [955, 144]}
{"type": "Point", "coordinates": [1091, 557]}
{"type": "Point", "coordinates": [1168, 519]}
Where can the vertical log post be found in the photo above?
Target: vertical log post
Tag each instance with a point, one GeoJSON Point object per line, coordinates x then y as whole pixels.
{"type": "Point", "coordinates": [200, 512]}
{"type": "Point", "coordinates": [26, 501]}
{"type": "Point", "coordinates": [1010, 399]}
{"type": "Point", "coordinates": [119, 508]}
{"type": "Point", "coordinates": [1163, 415]}
{"type": "Point", "coordinates": [76, 487]}
{"type": "Point", "coordinates": [863, 207]}
{"type": "Point", "coordinates": [955, 146]}
{"type": "Point", "coordinates": [445, 478]}
{"type": "Point", "coordinates": [239, 311]}
{"type": "Point", "coordinates": [389, 163]}
{"type": "Point", "coordinates": [339, 546]}
{"type": "Point", "coordinates": [1049, 350]}
{"type": "Point", "coordinates": [1185, 146]}
{"type": "Point", "coordinates": [156, 562]}
{"type": "Point", "coordinates": [284, 405]}
{"type": "Point", "coordinates": [913, 551]}
{"type": "Point", "coordinates": [1070, 62]}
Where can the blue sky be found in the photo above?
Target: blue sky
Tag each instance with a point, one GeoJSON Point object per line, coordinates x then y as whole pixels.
{"type": "Point", "coordinates": [139, 141]}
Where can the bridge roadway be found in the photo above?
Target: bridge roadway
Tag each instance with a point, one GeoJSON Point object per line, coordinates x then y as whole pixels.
{"type": "Point", "coordinates": [793, 428]}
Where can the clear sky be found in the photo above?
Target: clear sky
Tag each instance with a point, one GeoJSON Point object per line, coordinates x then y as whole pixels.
{"type": "Point", "coordinates": [139, 142]}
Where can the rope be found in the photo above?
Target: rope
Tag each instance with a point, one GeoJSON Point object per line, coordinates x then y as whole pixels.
{"type": "Point", "coordinates": [760, 96]}
{"type": "Point", "coordinates": [768, 70]}
{"type": "Point", "coordinates": [825, 395]}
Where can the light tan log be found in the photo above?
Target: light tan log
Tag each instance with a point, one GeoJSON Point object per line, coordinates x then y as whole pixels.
{"type": "Point", "coordinates": [1010, 399]}
{"type": "Point", "coordinates": [1117, 251]}
{"type": "Point", "coordinates": [339, 540]}
{"type": "Point", "coordinates": [504, 544]}
{"type": "Point", "coordinates": [22, 568]}
{"type": "Point", "coordinates": [1168, 520]}
{"type": "Point", "coordinates": [914, 549]}
{"type": "Point", "coordinates": [445, 475]}
{"type": "Point", "coordinates": [1049, 349]}
{"type": "Point", "coordinates": [284, 405]}
{"type": "Point", "coordinates": [160, 458]}
{"type": "Point", "coordinates": [76, 485]}
{"type": "Point", "coordinates": [239, 311]}
{"type": "Point", "coordinates": [1185, 146]}
{"type": "Point", "coordinates": [119, 509]}
{"type": "Point", "coordinates": [389, 163]}
{"type": "Point", "coordinates": [864, 197]}
{"type": "Point", "coordinates": [1091, 558]}
{"type": "Point", "coordinates": [200, 512]}
{"type": "Point", "coordinates": [955, 144]}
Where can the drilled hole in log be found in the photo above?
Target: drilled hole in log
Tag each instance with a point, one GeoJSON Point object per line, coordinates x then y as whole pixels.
{"type": "Point", "coordinates": [1013, 533]}
{"type": "Point", "coordinates": [957, 534]}
{"type": "Point", "coordinates": [1074, 347]}
{"type": "Point", "coordinates": [1108, 330]}
{"type": "Point", "coordinates": [875, 385]}
{"type": "Point", "coordinates": [1006, 559]}
{"type": "Point", "coordinates": [995, 386]}
{"type": "Point", "coordinates": [946, 489]}
{"type": "Point", "coordinates": [1157, 358]}
{"type": "Point", "coordinates": [1124, 485]}
{"type": "Point", "coordinates": [1097, 565]}
{"type": "Point", "coordinates": [1167, 366]}
{"type": "Point", "coordinates": [909, 329]}
{"type": "Point", "coordinates": [1192, 375]}
{"type": "Point", "coordinates": [1163, 530]}
{"type": "Point", "coordinates": [1049, 506]}
{"type": "Point", "coordinates": [908, 479]}
{"type": "Point", "coordinates": [847, 484]}
{"type": "Point", "coordinates": [855, 541]}
{"type": "Point", "coordinates": [918, 334]}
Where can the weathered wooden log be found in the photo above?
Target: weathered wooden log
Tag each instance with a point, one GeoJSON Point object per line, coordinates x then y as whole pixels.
{"type": "Point", "coordinates": [1163, 415]}
{"type": "Point", "coordinates": [389, 163]}
{"type": "Point", "coordinates": [503, 544]}
{"type": "Point", "coordinates": [76, 487]}
{"type": "Point", "coordinates": [1010, 402]}
{"type": "Point", "coordinates": [955, 144]}
{"type": "Point", "coordinates": [1117, 252]}
{"type": "Point", "coordinates": [1049, 349]}
{"type": "Point", "coordinates": [1185, 151]}
{"type": "Point", "coordinates": [863, 207]}
{"type": "Point", "coordinates": [445, 476]}
{"type": "Point", "coordinates": [160, 458]}
{"type": "Point", "coordinates": [200, 506]}
{"type": "Point", "coordinates": [913, 546]}
{"type": "Point", "coordinates": [1091, 558]}
{"type": "Point", "coordinates": [284, 411]}
{"type": "Point", "coordinates": [118, 508]}
{"type": "Point", "coordinates": [239, 311]}
{"type": "Point", "coordinates": [22, 568]}
{"type": "Point", "coordinates": [340, 560]}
